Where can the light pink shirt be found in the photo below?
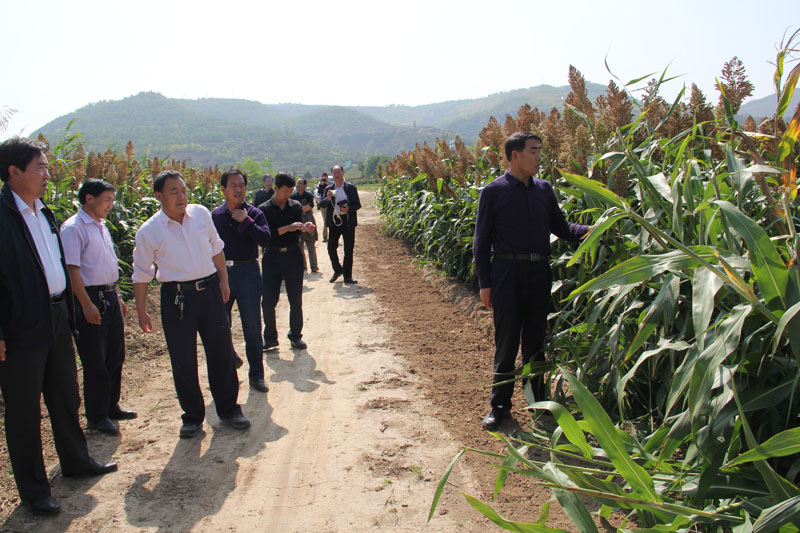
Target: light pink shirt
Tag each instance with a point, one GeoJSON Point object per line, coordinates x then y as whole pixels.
{"type": "Point", "coordinates": [46, 242]}
{"type": "Point", "coordinates": [182, 252]}
{"type": "Point", "coordinates": [88, 246]}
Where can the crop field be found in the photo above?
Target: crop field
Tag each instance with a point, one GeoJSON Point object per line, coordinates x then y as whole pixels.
{"type": "Point", "coordinates": [676, 336]}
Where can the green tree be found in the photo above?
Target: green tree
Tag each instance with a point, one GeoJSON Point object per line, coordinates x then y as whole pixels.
{"type": "Point", "coordinates": [255, 171]}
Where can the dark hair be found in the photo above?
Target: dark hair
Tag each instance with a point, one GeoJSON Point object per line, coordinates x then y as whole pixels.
{"type": "Point", "coordinates": [266, 177]}
{"type": "Point", "coordinates": [95, 188]}
{"type": "Point", "coordinates": [18, 151]}
{"type": "Point", "coordinates": [340, 168]}
{"type": "Point", "coordinates": [158, 182]}
{"type": "Point", "coordinates": [305, 181]}
{"type": "Point", "coordinates": [516, 143]}
{"type": "Point", "coordinates": [232, 172]}
{"type": "Point", "coordinates": [283, 179]}
{"type": "Point", "coordinates": [324, 174]}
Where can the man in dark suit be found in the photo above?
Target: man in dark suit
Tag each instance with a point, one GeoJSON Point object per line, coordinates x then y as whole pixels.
{"type": "Point", "coordinates": [342, 204]}
{"type": "Point", "coordinates": [36, 324]}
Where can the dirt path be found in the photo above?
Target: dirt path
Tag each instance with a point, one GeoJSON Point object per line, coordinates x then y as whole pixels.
{"type": "Point", "coordinates": [347, 439]}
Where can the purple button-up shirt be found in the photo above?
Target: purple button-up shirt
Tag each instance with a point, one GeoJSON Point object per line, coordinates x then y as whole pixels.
{"type": "Point", "coordinates": [513, 218]}
{"type": "Point", "coordinates": [88, 246]}
{"type": "Point", "coordinates": [241, 239]}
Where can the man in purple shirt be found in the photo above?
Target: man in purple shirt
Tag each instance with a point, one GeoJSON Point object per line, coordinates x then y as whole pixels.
{"type": "Point", "coordinates": [516, 215]}
{"type": "Point", "coordinates": [94, 271]}
{"type": "Point", "coordinates": [243, 229]}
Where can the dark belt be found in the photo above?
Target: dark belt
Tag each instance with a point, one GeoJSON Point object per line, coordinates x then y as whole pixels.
{"type": "Point", "coordinates": [103, 288]}
{"type": "Point", "coordinates": [533, 258]}
{"type": "Point", "coordinates": [281, 249]}
{"type": "Point", "coordinates": [240, 263]}
{"type": "Point", "coordinates": [57, 298]}
{"type": "Point", "coordinates": [193, 285]}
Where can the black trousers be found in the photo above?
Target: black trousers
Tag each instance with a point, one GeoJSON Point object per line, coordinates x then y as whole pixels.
{"type": "Point", "coordinates": [25, 376]}
{"type": "Point", "coordinates": [102, 352]}
{"type": "Point", "coordinates": [349, 237]}
{"type": "Point", "coordinates": [203, 312]}
{"type": "Point", "coordinates": [520, 301]}
{"type": "Point", "coordinates": [287, 267]}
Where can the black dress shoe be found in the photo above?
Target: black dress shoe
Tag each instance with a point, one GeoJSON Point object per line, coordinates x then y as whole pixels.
{"type": "Point", "coordinates": [350, 281]}
{"type": "Point", "coordinates": [120, 413]}
{"type": "Point", "coordinates": [259, 384]}
{"type": "Point", "coordinates": [336, 275]}
{"type": "Point", "coordinates": [300, 344]}
{"type": "Point", "coordinates": [270, 345]}
{"type": "Point", "coordinates": [104, 425]}
{"type": "Point", "coordinates": [236, 422]}
{"type": "Point", "coordinates": [95, 468]}
{"type": "Point", "coordinates": [493, 420]}
{"type": "Point", "coordinates": [189, 430]}
{"type": "Point", "coordinates": [44, 507]}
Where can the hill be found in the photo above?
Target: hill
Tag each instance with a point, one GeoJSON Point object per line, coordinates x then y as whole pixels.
{"type": "Point", "coordinates": [765, 107]}
{"type": "Point", "coordinates": [295, 137]}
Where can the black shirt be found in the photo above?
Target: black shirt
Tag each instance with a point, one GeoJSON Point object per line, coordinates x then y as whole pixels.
{"type": "Point", "coordinates": [513, 218]}
{"type": "Point", "coordinates": [277, 218]}
{"type": "Point", "coordinates": [262, 196]}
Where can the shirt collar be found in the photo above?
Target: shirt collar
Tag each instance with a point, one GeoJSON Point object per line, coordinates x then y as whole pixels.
{"type": "Point", "coordinates": [165, 218]}
{"type": "Point", "coordinates": [514, 181]}
{"type": "Point", "coordinates": [22, 206]}
{"type": "Point", "coordinates": [86, 218]}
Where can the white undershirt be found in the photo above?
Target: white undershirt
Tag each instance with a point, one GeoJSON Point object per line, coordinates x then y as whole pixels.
{"type": "Point", "coordinates": [46, 242]}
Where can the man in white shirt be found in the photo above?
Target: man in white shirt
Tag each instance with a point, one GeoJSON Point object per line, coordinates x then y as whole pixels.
{"type": "Point", "coordinates": [94, 271]}
{"type": "Point", "coordinates": [36, 354]}
{"type": "Point", "coordinates": [182, 241]}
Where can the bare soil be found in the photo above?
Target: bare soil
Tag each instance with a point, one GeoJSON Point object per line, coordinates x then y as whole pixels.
{"type": "Point", "coordinates": [353, 435]}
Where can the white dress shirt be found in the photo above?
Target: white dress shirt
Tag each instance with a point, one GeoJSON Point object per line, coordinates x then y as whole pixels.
{"type": "Point", "coordinates": [341, 196]}
{"type": "Point", "coordinates": [46, 241]}
{"type": "Point", "coordinates": [182, 252]}
{"type": "Point", "coordinates": [88, 246]}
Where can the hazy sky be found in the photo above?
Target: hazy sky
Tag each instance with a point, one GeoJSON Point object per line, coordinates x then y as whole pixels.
{"type": "Point", "coordinates": [60, 55]}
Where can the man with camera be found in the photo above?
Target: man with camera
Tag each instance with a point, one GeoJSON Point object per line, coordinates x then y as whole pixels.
{"type": "Point", "coordinates": [342, 204]}
{"type": "Point", "coordinates": [319, 194]}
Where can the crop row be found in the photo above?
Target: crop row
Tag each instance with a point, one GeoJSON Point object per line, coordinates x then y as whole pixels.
{"type": "Point", "coordinates": [675, 347]}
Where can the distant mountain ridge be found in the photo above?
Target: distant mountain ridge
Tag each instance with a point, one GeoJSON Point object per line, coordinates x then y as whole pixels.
{"type": "Point", "coordinates": [761, 108]}
{"type": "Point", "coordinates": [295, 137]}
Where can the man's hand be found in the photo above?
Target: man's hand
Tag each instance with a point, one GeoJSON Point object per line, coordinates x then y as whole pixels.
{"type": "Point", "coordinates": [588, 231]}
{"type": "Point", "coordinates": [296, 226]}
{"type": "Point", "coordinates": [238, 215]}
{"type": "Point", "coordinates": [2, 350]}
{"type": "Point", "coordinates": [140, 297]}
{"type": "Point", "coordinates": [92, 314]}
{"type": "Point", "coordinates": [309, 227]}
{"type": "Point", "coordinates": [307, 208]}
{"type": "Point", "coordinates": [344, 209]}
{"type": "Point", "coordinates": [224, 290]}
{"type": "Point", "coordinates": [123, 306]}
{"type": "Point", "coordinates": [486, 297]}
{"type": "Point", "coordinates": [145, 323]}
{"type": "Point", "coordinates": [330, 194]}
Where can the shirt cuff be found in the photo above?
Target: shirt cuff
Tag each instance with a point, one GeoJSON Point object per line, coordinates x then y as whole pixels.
{"type": "Point", "coordinates": [245, 224]}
